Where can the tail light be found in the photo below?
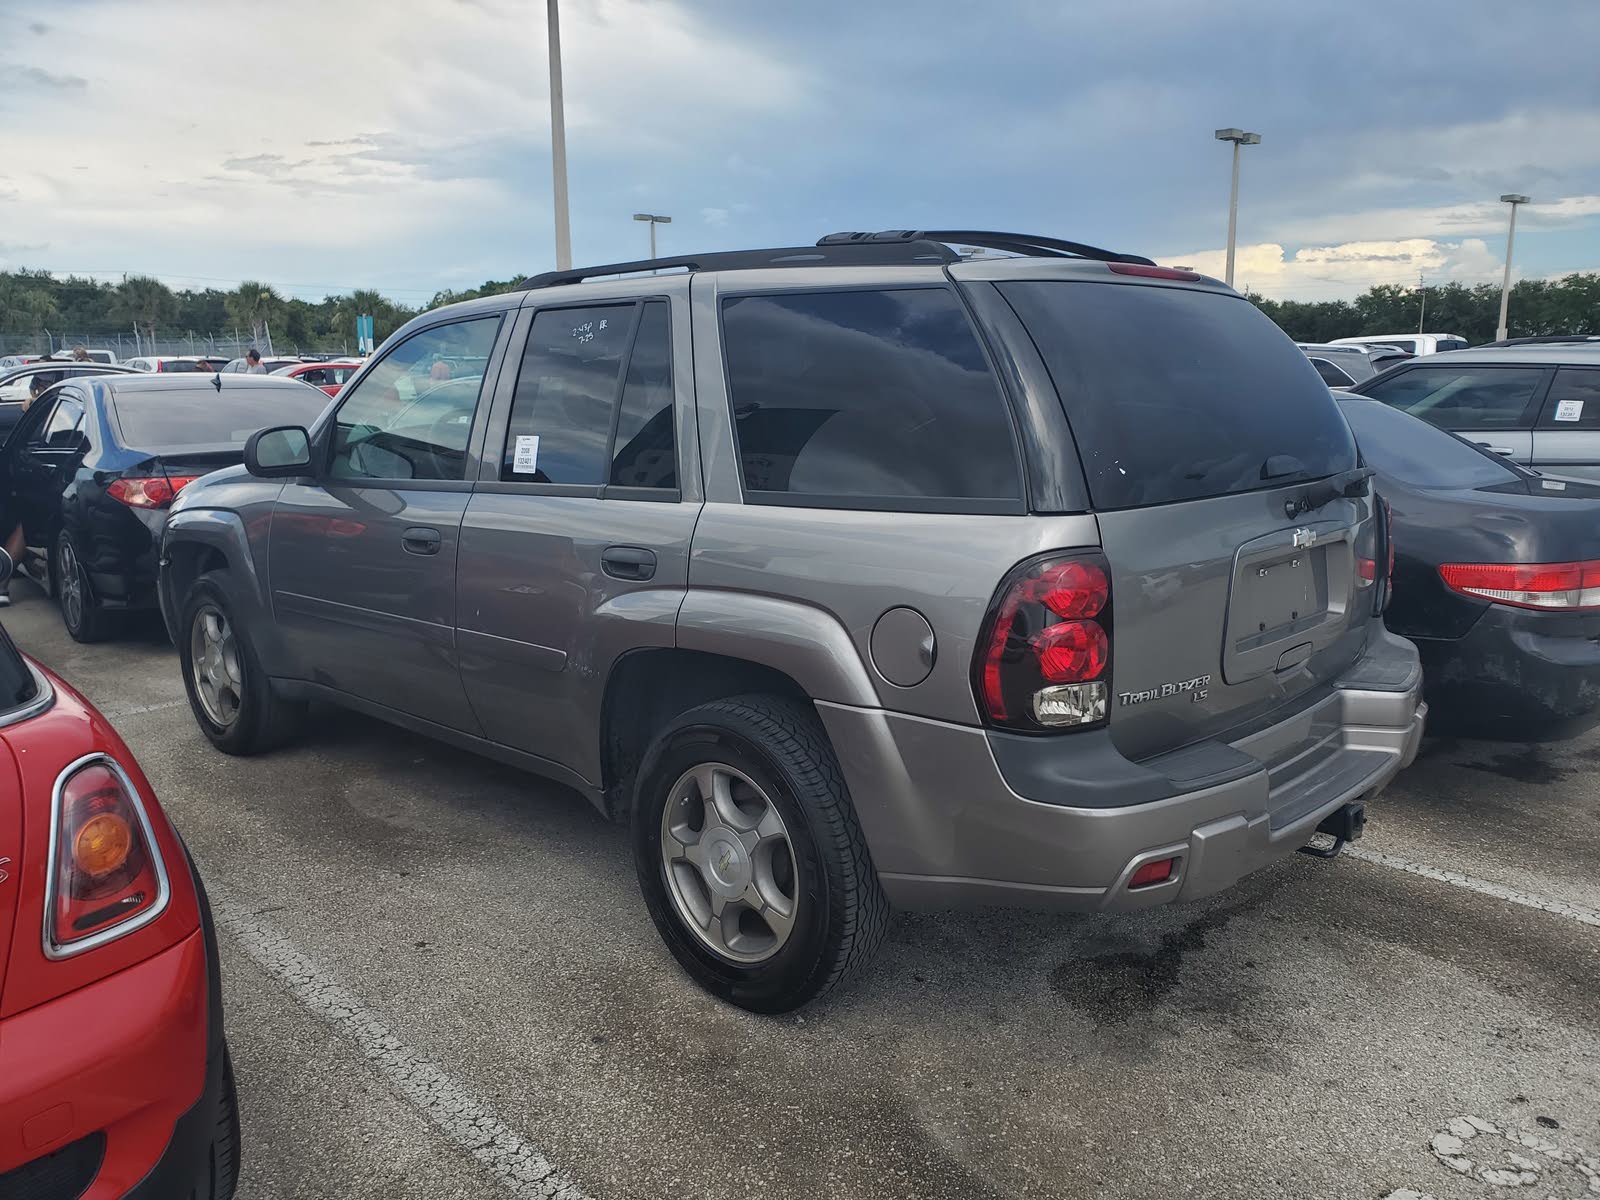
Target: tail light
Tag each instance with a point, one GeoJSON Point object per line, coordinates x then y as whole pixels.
{"type": "Point", "coordinates": [1150, 272]}
{"type": "Point", "coordinates": [1561, 587]}
{"type": "Point", "coordinates": [106, 875]}
{"type": "Point", "coordinates": [1043, 660]}
{"type": "Point", "coordinates": [155, 491]}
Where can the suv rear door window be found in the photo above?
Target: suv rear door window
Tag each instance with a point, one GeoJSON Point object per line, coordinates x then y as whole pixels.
{"type": "Point", "coordinates": [1178, 394]}
{"type": "Point", "coordinates": [1574, 400]}
{"type": "Point", "coordinates": [864, 398]}
{"type": "Point", "coordinates": [593, 403]}
{"type": "Point", "coordinates": [1463, 397]}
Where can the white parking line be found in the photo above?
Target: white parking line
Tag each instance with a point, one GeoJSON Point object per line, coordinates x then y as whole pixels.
{"type": "Point", "coordinates": [1483, 887]}
{"type": "Point", "coordinates": [114, 713]}
{"type": "Point", "coordinates": [442, 1099]}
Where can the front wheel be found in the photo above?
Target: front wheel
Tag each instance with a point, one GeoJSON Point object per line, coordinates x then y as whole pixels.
{"type": "Point", "coordinates": [750, 856]}
{"type": "Point", "coordinates": [85, 620]}
{"type": "Point", "coordinates": [229, 692]}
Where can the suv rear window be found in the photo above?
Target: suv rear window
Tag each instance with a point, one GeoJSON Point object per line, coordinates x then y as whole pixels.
{"type": "Point", "coordinates": [867, 398]}
{"type": "Point", "coordinates": [1176, 394]}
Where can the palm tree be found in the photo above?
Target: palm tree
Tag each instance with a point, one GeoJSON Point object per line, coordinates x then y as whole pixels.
{"type": "Point", "coordinates": [255, 304]}
{"type": "Point", "coordinates": [146, 302]}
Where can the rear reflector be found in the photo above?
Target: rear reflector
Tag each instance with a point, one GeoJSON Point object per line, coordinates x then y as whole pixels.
{"type": "Point", "coordinates": [1562, 587]}
{"type": "Point", "coordinates": [1153, 872]}
{"type": "Point", "coordinates": [1155, 272]}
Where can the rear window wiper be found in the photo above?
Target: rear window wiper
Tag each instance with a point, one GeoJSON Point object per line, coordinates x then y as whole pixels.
{"type": "Point", "coordinates": [1345, 485]}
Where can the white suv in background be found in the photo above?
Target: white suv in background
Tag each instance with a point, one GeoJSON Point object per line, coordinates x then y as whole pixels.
{"type": "Point", "coordinates": [1416, 343]}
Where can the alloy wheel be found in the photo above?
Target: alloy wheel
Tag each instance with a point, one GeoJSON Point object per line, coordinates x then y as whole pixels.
{"type": "Point", "coordinates": [218, 673]}
{"type": "Point", "coordinates": [729, 863]}
{"type": "Point", "coordinates": [70, 582]}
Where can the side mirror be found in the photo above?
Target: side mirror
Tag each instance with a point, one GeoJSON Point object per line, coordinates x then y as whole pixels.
{"type": "Point", "coordinates": [278, 453]}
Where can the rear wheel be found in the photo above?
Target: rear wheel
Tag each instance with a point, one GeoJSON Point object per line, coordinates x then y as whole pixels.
{"type": "Point", "coordinates": [229, 692]}
{"type": "Point", "coordinates": [750, 857]}
{"type": "Point", "coordinates": [85, 620]}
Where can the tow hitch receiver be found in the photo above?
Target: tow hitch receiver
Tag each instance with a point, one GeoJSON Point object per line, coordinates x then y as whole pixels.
{"type": "Point", "coordinates": [1343, 825]}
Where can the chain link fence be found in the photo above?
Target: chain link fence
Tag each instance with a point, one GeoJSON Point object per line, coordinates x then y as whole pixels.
{"type": "Point", "coordinates": [230, 343]}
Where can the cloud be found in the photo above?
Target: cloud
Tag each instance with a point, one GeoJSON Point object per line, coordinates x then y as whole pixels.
{"type": "Point", "coordinates": [716, 217]}
{"type": "Point", "coordinates": [1328, 272]}
{"type": "Point", "coordinates": [1455, 220]}
{"type": "Point", "coordinates": [38, 27]}
{"type": "Point", "coordinates": [19, 78]}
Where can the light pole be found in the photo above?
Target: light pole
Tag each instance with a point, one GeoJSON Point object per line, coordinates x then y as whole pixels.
{"type": "Point", "coordinates": [1505, 284]}
{"type": "Point", "coordinates": [654, 220]}
{"type": "Point", "coordinates": [558, 142]}
{"type": "Point", "coordinates": [1238, 137]}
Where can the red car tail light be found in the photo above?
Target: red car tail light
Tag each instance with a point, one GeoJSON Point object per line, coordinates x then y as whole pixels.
{"type": "Point", "coordinates": [156, 491]}
{"type": "Point", "coordinates": [1043, 659]}
{"type": "Point", "coordinates": [106, 875]}
{"type": "Point", "coordinates": [1563, 587]}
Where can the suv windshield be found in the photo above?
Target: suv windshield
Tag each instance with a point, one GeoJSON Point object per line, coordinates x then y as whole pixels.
{"type": "Point", "coordinates": [1412, 450]}
{"type": "Point", "coordinates": [17, 685]}
{"type": "Point", "coordinates": [1178, 394]}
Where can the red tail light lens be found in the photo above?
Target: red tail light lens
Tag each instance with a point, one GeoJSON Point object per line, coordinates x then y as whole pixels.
{"type": "Point", "coordinates": [1043, 660]}
{"type": "Point", "coordinates": [157, 491]}
{"type": "Point", "coordinates": [106, 874]}
{"type": "Point", "coordinates": [1563, 587]}
{"type": "Point", "coordinates": [1155, 272]}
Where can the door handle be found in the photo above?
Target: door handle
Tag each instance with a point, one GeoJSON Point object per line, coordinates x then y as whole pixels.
{"type": "Point", "coordinates": [628, 562]}
{"type": "Point", "coordinates": [419, 539]}
{"type": "Point", "coordinates": [1506, 450]}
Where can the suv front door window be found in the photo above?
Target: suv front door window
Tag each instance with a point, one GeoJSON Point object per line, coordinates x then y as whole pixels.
{"type": "Point", "coordinates": [363, 559]}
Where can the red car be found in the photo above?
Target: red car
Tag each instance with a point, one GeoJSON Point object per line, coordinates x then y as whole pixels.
{"type": "Point", "coordinates": [114, 1074]}
{"type": "Point", "coordinates": [329, 376]}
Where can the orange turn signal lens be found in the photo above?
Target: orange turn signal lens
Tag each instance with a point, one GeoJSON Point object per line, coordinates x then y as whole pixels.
{"type": "Point", "coordinates": [102, 845]}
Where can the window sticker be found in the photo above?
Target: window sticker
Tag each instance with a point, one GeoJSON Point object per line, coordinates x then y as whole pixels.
{"type": "Point", "coordinates": [1569, 410]}
{"type": "Point", "coordinates": [526, 459]}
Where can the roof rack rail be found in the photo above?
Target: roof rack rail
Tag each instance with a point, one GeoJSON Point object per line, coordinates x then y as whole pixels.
{"type": "Point", "coordinates": [1028, 244]}
{"type": "Point", "coordinates": [1549, 339]}
{"type": "Point", "coordinates": [907, 251]}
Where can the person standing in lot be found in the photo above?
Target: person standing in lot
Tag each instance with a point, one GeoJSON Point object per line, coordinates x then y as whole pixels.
{"type": "Point", "coordinates": [252, 356]}
{"type": "Point", "coordinates": [14, 543]}
{"type": "Point", "coordinates": [80, 354]}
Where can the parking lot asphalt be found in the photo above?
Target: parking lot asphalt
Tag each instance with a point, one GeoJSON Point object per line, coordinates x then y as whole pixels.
{"type": "Point", "coordinates": [441, 982]}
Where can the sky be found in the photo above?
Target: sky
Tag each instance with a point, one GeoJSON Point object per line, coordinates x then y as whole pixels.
{"type": "Point", "coordinates": [405, 144]}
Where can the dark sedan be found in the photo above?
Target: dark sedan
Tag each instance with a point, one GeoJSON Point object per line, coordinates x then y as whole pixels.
{"type": "Point", "coordinates": [1496, 579]}
{"type": "Point", "coordinates": [93, 465]}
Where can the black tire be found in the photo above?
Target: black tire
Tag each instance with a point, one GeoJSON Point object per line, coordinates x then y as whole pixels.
{"type": "Point", "coordinates": [265, 720]}
{"type": "Point", "coordinates": [83, 617]}
{"type": "Point", "coordinates": [841, 912]}
{"type": "Point", "coordinates": [225, 1137]}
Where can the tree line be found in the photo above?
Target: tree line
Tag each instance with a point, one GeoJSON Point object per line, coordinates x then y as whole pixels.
{"type": "Point", "coordinates": [1539, 307]}
{"type": "Point", "coordinates": [34, 302]}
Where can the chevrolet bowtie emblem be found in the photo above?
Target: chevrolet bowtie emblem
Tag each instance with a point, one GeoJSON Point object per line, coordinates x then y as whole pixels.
{"type": "Point", "coordinates": [1304, 537]}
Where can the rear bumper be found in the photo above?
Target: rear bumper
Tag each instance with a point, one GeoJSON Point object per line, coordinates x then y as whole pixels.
{"type": "Point", "coordinates": [1517, 675]}
{"type": "Point", "coordinates": [125, 1057]}
{"type": "Point", "coordinates": [946, 829]}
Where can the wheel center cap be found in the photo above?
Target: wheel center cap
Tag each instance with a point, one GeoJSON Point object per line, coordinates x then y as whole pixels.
{"type": "Point", "coordinates": [727, 865]}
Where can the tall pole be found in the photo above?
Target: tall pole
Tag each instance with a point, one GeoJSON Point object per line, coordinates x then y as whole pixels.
{"type": "Point", "coordinates": [652, 239]}
{"type": "Point", "coordinates": [1239, 137]}
{"type": "Point", "coordinates": [1505, 283]}
{"type": "Point", "coordinates": [1233, 216]}
{"type": "Point", "coordinates": [558, 142]}
{"type": "Point", "coordinates": [1423, 311]}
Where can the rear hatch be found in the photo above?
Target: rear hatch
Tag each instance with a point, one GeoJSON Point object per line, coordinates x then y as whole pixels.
{"type": "Point", "coordinates": [1201, 427]}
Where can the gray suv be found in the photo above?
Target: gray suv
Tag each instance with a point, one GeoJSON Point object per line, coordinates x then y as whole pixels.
{"type": "Point", "coordinates": [849, 576]}
{"type": "Point", "coordinates": [1537, 404]}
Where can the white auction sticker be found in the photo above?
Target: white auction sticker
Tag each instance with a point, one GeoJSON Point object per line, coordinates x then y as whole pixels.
{"type": "Point", "coordinates": [1569, 410]}
{"type": "Point", "coordinates": [526, 459]}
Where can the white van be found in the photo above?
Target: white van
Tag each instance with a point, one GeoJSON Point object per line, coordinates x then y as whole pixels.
{"type": "Point", "coordinates": [1416, 343]}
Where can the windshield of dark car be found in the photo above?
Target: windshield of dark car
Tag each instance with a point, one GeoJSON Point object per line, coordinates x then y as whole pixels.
{"type": "Point", "coordinates": [156, 419]}
{"type": "Point", "coordinates": [1416, 453]}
